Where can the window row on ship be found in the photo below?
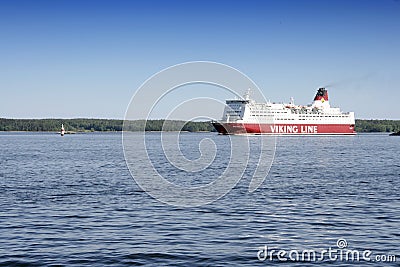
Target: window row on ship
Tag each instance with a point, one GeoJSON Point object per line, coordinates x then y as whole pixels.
{"type": "Point", "coordinates": [302, 119]}
{"type": "Point", "coordinates": [302, 116]}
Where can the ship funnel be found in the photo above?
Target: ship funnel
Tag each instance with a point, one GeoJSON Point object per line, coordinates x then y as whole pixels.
{"type": "Point", "coordinates": [322, 94]}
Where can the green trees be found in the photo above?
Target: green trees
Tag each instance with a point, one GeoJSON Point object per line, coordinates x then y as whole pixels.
{"type": "Point", "coordinates": [104, 125]}
{"type": "Point", "coordinates": [171, 125]}
{"type": "Point", "coordinates": [377, 126]}
{"type": "Point", "coordinates": [99, 125]}
{"type": "Point", "coordinates": [55, 124]}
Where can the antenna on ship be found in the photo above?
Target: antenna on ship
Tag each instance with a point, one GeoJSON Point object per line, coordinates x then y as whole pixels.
{"type": "Point", "coordinates": [247, 94]}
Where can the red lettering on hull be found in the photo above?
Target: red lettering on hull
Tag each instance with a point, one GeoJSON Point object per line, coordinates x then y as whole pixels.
{"type": "Point", "coordinates": [253, 128]}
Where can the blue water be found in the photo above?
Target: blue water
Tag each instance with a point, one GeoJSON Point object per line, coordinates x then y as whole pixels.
{"type": "Point", "coordinates": [71, 202]}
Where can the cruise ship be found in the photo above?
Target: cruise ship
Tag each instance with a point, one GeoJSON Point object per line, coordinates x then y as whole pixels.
{"type": "Point", "coordinates": [245, 116]}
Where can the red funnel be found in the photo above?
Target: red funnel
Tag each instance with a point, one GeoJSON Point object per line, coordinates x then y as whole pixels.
{"type": "Point", "coordinates": [321, 94]}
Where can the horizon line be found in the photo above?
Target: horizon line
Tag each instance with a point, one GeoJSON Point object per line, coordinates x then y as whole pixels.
{"type": "Point", "coordinates": [152, 119]}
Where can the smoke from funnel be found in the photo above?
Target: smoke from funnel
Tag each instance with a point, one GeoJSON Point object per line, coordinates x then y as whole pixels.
{"type": "Point", "coordinates": [349, 81]}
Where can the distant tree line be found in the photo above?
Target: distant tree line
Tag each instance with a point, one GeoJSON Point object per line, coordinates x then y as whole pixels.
{"type": "Point", "coordinates": [168, 125]}
{"type": "Point", "coordinates": [101, 125]}
{"type": "Point", "coordinates": [104, 125]}
{"type": "Point", "coordinates": [377, 126]}
{"type": "Point", "coordinates": [49, 125]}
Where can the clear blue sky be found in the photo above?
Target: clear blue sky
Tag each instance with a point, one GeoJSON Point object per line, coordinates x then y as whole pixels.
{"type": "Point", "coordinates": [86, 58]}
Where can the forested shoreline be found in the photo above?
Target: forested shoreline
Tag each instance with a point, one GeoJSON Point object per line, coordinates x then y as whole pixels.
{"type": "Point", "coordinates": [100, 125]}
{"type": "Point", "coordinates": [108, 125]}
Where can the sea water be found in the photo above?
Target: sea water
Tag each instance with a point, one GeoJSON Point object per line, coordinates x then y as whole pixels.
{"type": "Point", "coordinates": [72, 201]}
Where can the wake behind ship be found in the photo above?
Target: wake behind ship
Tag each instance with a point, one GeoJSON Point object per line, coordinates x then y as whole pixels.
{"type": "Point", "coordinates": [245, 116]}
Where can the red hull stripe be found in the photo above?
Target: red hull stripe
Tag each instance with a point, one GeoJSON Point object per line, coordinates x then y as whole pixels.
{"type": "Point", "coordinates": [254, 128]}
